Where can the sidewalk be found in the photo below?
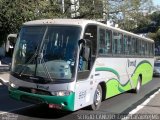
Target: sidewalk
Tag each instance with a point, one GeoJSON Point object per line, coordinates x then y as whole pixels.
{"type": "Point", "coordinates": [149, 109]}
{"type": "Point", "coordinates": [152, 105]}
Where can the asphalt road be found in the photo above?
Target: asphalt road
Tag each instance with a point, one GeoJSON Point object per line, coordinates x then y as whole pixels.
{"type": "Point", "coordinates": [121, 104]}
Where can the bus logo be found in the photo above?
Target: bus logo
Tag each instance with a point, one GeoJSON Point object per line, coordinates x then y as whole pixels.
{"type": "Point", "coordinates": [131, 63]}
{"type": "Point", "coordinates": [42, 87]}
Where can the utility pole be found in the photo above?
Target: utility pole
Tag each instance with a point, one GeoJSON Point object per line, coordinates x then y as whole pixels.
{"type": "Point", "coordinates": [74, 8]}
{"type": "Point", "coordinates": [63, 7]}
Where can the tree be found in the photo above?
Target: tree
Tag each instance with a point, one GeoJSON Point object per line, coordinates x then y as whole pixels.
{"type": "Point", "coordinates": [127, 13]}
{"type": "Point", "coordinates": [135, 13]}
{"type": "Point", "coordinates": [15, 12]}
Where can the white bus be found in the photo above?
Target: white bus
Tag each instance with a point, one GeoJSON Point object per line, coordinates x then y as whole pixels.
{"type": "Point", "coordinates": [72, 63]}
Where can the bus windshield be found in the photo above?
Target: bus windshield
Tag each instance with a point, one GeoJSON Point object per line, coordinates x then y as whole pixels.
{"type": "Point", "coordinates": [46, 52]}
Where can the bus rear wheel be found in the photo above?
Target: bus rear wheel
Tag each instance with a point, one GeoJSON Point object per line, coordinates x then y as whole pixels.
{"type": "Point", "coordinates": [138, 87]}
{"type": "Point", "coordinates": [97, 98]}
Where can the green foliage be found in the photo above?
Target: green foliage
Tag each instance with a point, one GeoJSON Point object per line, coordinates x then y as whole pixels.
{"type": "Point", "coordinates": [15, 12]}
{"type": "Point", "coordinates": [155, 36]}
{"type": "Point", "coordinates": [135, 14]}
{"type": "Point", "coordinates": [93, 9]}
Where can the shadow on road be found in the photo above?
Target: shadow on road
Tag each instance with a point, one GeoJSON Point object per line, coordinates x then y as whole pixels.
{"type": "Point", "coordinates": [42, 111]}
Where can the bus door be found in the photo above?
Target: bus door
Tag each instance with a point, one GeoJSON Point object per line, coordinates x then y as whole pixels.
{"type": "Point", "coordinates": [85, 76]}
{"type": "Point", "coordinates": [83, 84]}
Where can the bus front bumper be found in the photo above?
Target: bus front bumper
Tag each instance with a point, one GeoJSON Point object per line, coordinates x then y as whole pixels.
{"type": "Point", "coordinates": [61, 102]}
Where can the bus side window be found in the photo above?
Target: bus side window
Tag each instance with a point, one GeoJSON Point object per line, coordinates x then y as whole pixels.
{"type": "Point", "coordinates": [114, 43]}
{"type": "Point", "coordinates": [102, 47]}
{"type": "Point", "coordinates": [125, 44]}
{"type": "Point", "coordinates": [136, 46]}
{"type": "Point", "coordinates": [140, 47]}
{"type": "Point", "coordinates": [117, 43]}
{"type": "Point", "coordinates": [129, 45]}
{"type": "Point", "coordinates": [133, 48]}
{"type": "Point", "coordinates": [143, 48]}
{"type": "Point", "coordinates": [91, 34]}
{"type": "Point", "coordinates": [120, 43]}
{"type": "Point", "coordinates": [108, 42]}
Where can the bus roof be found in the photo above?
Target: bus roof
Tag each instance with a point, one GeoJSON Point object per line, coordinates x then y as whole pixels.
{"type": "Point", "coordinates": [59, 21]}
{"type": "Point", "coordinates": [80, 22]}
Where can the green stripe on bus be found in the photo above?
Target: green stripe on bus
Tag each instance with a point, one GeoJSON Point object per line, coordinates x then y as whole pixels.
{"type": "Point", "coordinates": [114, 87]}
{"type": "Point", "coordinates": [145, 69]}
{"type": "Point", "coordinates": [108, 69]}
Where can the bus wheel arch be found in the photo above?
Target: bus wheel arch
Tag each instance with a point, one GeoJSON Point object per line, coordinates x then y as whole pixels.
{"type": "Point", "coordinates": [140, 75]}
{"type": "Point", "coordinates": [104, 90]}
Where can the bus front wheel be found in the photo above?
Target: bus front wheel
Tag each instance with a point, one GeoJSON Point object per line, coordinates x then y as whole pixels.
{"type": "Point", "coordinates": [97, 98]}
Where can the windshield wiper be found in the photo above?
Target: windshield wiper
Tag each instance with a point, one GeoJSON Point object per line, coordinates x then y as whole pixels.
{"type": "Point", "coordinates": [35, 54]}
{"type": "Point", "coordinates": [25, 66]}
{"type": "Point", "coordinates": [38, 56]}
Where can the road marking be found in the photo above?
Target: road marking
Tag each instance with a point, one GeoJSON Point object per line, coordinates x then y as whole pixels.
{"type": "Point", "coordinates": [141, 105]}
{"type": "Point", "coordinates": [2, 112]}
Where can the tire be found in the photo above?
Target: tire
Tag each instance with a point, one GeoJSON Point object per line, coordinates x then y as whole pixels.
{"type": "Point", "coordinates": [138, 87]}
{"type": "Point", "coordinates": [97, 99]}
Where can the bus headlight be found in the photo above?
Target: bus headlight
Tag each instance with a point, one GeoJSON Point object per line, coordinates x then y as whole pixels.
{"type": "Point", "coordinates": [61, 93]}
{"type": "Point", "coordinates": [13, 85]}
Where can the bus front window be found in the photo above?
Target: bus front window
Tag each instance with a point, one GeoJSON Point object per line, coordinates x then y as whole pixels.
{"type": "Point", "coordinates": [46, 52]}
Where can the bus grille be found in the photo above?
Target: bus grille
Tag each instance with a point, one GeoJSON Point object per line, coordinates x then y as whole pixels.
{"type": "Point", "coordinates": [37, 91]}
{"type": "Point", "coordinates": [29, 99]}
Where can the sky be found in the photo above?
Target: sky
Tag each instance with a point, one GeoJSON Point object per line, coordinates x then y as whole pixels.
{"type": "Point", "coordinates": [156, 2]}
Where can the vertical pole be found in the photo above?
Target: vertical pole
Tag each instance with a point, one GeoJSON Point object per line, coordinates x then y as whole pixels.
{"type": "Point", "coordinates": [105, 10]}
{"type": "Point", "coordinates": [63, 9]}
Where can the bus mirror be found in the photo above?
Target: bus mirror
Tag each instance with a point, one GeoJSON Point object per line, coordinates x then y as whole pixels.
{"type": "Point", "coordinates": [81, 42]}
{"type": "Point", "coordinates": [11, 39]}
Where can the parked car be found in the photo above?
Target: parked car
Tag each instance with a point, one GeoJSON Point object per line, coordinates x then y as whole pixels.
{"type": "Point", "coordinates": [156, 71]}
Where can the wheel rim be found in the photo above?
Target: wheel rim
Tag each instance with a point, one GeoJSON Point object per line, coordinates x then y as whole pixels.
{"type": "Point", "coordinates": [97, 97]}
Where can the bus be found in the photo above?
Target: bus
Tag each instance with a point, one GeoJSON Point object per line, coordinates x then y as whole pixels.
{"type": "Point", "coordinates": [69, 64]}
